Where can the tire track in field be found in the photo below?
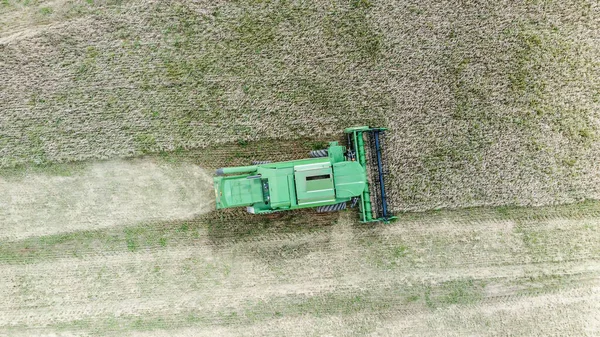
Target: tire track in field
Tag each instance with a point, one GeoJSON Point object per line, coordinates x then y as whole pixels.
{"type": "Point", "coordinates": [101, 195]}
{"type": "Point", "coordinates": [526, 316]}
{"type": "Point", "coordinates": [276, 272]}
{"type": "Point", "coordinates": [74, 290]}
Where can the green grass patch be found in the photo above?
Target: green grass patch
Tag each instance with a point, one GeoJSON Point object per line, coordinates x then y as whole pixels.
{"type": "Point", "coordinates": [462, 292]}
{"type": "Point", "coordinates": [46, 10]}
{"type": "Point", "coordinates": [146, 143]}
{"type": "Point", "coordinates": [318, 145]}
{"type": "Point", "coordinates": [50, 169]}
{"type": "Point", "coordinates": [352, 30]}
{"type": "Point", "coordinates": [380, 301]}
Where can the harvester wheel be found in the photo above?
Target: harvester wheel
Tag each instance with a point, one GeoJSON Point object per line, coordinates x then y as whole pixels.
{"type": "Point", "coordinates": [318, 153]}
{"type": "Point", "coordinates": [331, 208]}
{"type": "Point", "coordinates": [260, 162]}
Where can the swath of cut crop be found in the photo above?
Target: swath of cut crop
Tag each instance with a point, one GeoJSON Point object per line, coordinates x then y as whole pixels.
{"type": "Point", "coordinates": [102, 195]}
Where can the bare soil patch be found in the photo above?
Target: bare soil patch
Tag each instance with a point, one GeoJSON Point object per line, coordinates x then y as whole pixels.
{"type": "Point", "coordinates": [101, 195]}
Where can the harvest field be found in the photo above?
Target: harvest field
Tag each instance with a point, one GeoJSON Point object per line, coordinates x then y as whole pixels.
{"type": "Point", "coordinates": [114, 114]}
{"type": "Point", "coordinates": [488, 102]}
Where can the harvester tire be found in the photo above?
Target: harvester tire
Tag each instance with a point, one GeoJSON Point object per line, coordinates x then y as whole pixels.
{"type": "Point", "coordinates": [318, 153]}
{"type": "Point", "coordinates": [260, 162]}
{"type": "Point", "coordinates": [331, 208]}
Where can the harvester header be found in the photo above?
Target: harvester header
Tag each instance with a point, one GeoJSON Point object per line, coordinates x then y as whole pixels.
{"type": "Point", "coordinates": [327, 181]}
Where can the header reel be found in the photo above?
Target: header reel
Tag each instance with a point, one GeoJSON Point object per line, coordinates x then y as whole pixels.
{"type": "Point", "coordinates": [365, 146]}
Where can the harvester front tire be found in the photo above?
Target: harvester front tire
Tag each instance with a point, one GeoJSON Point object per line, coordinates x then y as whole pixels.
{"type": "Point", "coordinates": [318, 153]}
{"type": "Point", "coordinates": [260, 162]}
{"type": "Point", "coordinates": [331, 208]}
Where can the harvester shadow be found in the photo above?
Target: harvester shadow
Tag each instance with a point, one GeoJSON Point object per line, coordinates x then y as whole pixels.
{"type": "Point", "coordinates": [271, 238]}
{"type": "Point", "coordinates": [235, 225]}
{"type": "Point", "coordinates": [280, 237]}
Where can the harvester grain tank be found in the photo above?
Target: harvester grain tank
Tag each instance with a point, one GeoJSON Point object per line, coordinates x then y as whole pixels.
{"type": "Point", "coordinates": [327, 181]}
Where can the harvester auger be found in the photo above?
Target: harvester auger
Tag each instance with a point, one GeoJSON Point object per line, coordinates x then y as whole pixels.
{"type": "Point", "coordinates": [327, 181]}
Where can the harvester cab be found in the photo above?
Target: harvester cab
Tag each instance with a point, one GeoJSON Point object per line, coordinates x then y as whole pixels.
{"type": "Point", "coordinates": [327, 181]}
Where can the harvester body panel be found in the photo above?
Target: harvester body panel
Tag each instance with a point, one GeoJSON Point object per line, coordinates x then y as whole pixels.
{"type": "Point", "coordinates": [239, 191]}
{"type": "Point", "coordinates": [350, 179]}
{"type": "Point", "coordinates": [314, 183]}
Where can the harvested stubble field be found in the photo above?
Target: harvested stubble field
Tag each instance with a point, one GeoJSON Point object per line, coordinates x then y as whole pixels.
{"type": "Point", "coordinates": [495, 272]}
{"type": "Point", "coordinates": [489, 103]}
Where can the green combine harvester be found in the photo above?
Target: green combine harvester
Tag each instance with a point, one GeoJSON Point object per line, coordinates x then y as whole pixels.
{"type": "Point", "coordinates": [327, 181]}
